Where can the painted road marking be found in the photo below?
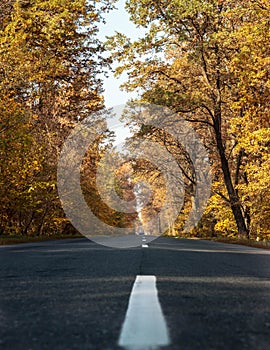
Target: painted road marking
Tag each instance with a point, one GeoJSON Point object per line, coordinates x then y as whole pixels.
{"type": "Point", "coordinates": [144, 243]}
{"type": "Point", "coordinates": [144, 327]}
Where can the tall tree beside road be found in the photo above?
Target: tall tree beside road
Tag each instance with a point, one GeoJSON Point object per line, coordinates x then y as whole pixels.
{"type": "Point", "coordinates": [252, 122]}
{"type": "Point", "coordinates": [195, 59]}
{"type": "Point", "coordinates": [50, 58]}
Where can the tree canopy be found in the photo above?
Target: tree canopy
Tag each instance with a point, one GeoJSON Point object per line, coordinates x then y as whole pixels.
{"type": "Point", "coordinates": [208, 60]}
{"type": "Point", "coordinates": [50, 60]}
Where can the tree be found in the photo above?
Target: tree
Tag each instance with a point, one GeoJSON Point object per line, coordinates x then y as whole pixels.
{"type": "Point", "coordinates": [250, 66]}
{"type": "Point", "coordinates": [187, 61]}
{"type": "Point", "coordinates": [49, 63]}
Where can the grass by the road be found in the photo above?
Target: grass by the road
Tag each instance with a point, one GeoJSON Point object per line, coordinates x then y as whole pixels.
{"type": "Point", "coordinates": [247, 242]}
{"type": "Point", "coordinates": [231, 240]}
{"type": "Point", "coordinates": [12, 239]}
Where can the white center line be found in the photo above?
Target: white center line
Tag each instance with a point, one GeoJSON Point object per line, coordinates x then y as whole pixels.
{"type": "Point", "coordinates": [144, 327]}
{"type": "Point", "coordinates": [145, 245]}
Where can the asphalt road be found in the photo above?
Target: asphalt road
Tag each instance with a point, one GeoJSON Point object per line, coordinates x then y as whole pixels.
{"type": "Point", "coordinates": [73, 294]}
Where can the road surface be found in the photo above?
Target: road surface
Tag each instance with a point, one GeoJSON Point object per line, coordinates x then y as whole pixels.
{"type": "Point", "coordinates": [74, 294]}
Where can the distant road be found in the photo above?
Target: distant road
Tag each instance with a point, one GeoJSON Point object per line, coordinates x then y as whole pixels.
{"type": "Point", "coordinates": [74, 294]}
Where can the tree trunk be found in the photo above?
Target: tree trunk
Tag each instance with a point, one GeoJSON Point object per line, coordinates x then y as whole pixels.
{"type": "Point", "coordinates": [41, 223]}
{"type": "Point", "coordinates": [28, 223]}
{"type": "Point", "coordinates": [233, 196]}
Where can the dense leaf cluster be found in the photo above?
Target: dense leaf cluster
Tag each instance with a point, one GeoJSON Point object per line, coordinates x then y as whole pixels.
{"type": "Point", "coordinates": [208, 61]}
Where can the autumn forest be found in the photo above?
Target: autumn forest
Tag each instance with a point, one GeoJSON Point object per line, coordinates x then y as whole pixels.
{"type": "Point", "coordinates": [208, 61]}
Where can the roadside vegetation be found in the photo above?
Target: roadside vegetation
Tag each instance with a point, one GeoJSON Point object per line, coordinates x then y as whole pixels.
{"type": "Point", "coordinates": [206, 60]}
{"type": "Point", "coordinates": [50, 59]}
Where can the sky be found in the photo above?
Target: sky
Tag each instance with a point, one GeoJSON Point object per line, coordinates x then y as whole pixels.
{"type": "Point", "coordinates": [117, 20]}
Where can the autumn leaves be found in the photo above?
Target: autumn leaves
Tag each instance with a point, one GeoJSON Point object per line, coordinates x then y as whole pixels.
{"type": "Point", "coordinates": [208, 61]}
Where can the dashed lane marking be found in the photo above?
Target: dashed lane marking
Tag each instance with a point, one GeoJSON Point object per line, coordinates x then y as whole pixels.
{"type": "Point", "coordinates": [145, 326]}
